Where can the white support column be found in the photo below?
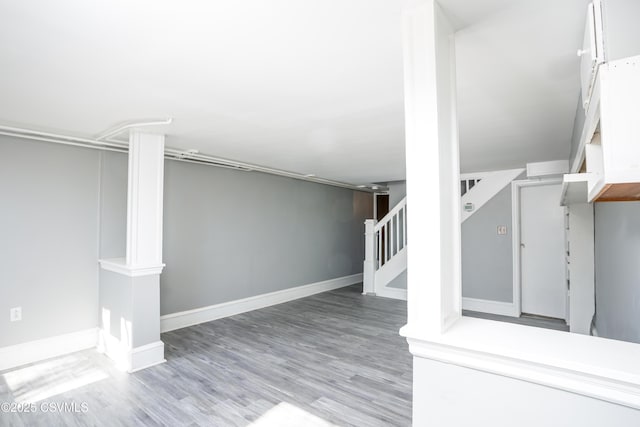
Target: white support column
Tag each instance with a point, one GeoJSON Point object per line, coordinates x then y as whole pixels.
{"type": "Point", "coordinates": [581, 268]}
{"type": "Point", "coordinates": [130, 286]}
{"type": "Point", "coordinates": [144, 208]}
{"type": "Point", "coordinates": [369, 270]}
{"type": "Point", "coordinates": [432, 170]}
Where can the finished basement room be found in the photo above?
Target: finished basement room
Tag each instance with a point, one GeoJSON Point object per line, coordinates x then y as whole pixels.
{"type": "Point", "coordinates": [205, 220]}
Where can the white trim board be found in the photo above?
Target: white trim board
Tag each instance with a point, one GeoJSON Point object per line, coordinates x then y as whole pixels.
{"type": "Point", "coordinates": [515, 232]}
{"type": "Point", "coordinates": [516, 186]}
{"type": "Point", "coordinates": [493, 307]}
{"type": "Point", "coordinates": [35, 351]}
{"type": "Point", "coordinates": [395, 293]}
{"type": "Point", "coordinates": [146, 356]}
{"type": "Point", "coordinates": [171, 322]}
{"type": "Point", "coordinates": [120, 266]}
{"type": "Point", "coordinates": [492, 183]}
{"type": "Point", "coordinates": [130, 359]}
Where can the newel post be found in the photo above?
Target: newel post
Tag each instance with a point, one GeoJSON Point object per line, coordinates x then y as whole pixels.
{"type": "Point", "coordinates": [369, 271]}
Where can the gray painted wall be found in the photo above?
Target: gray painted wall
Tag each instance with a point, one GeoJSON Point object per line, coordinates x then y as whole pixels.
{"type": "Point", "coordinates": [131, 302]}
{"type": "Point", "coordinates": [621, 29]}
{"type": "Point", "coordinates": [617, 247]}
{"type": "Point", "coordinates": [115, 303]}
{"type": "Point", "coordinates": [48, 239]}
{"type": "Point", "coordinates": [487, 270]}
{"type": "Point", "coordinates": [113, 204]}
{"type": "Point", "coordinates": [399, 282]}
{"type": "Point", "coordinates": [397, 192]}
{"type": "Point", "coordinates": [231, 235]}
{"type": "Point", "coordinates": [228, 234]}
{"type": "Point", "coordinates": [487, 267]}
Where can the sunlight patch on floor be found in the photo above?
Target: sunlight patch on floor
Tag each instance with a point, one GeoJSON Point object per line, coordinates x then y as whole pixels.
{"type": "Point", "coordinates": [286, 415]}
{"type": "Point", "coordinates": [51, 378]}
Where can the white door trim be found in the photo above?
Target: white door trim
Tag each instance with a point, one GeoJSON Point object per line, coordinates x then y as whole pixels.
{"type": "Point", "coordinates": [375, 202]}
{"type": "Point", "coordinates": [516, 186]}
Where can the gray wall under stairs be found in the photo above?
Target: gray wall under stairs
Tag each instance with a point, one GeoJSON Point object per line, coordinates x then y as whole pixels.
{"type": "Point", "coordinates": [487, 266]}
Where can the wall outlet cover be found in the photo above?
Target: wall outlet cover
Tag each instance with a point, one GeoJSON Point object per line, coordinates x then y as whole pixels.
{"type": "Point", "coordinates": [502, 230]}
{"type": "Point", "coordinates": [15, 314]}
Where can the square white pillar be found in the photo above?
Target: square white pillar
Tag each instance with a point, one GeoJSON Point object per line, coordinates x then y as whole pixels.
{"type": "Point", "coordinates": [130, 286]}
{"type": "Point", "coordinates": [433, 188]}
{"type": "Point", "coordinates": [145, 197]}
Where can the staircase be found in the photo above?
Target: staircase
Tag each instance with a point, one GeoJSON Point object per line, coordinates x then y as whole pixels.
{"type": "Point", "coordinates": [386, 240]}
{"type": "Point", "coordinates": [386, 252]}
{"type": "Point", "coordinates": [478, 189]}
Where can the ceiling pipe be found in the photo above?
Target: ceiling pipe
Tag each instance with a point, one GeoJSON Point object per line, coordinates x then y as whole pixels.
{"type": "Point", "coordinates": [178, 155]}
{"type": "Point", "coordinates": [63, 142]}
{"type": "Point", "coordinates": [247, 167]}
{"type": "Point", "coordinates": [26, 133]}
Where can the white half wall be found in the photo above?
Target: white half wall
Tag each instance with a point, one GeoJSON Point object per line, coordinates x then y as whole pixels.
{"type": "Point", "coordinates": [455, 396]}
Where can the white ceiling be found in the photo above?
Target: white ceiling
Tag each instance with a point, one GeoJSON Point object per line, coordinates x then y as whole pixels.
{"type": "Point", "coordinates": [310, 86]}
{"type": "Point", "coordinates": [518, 80]}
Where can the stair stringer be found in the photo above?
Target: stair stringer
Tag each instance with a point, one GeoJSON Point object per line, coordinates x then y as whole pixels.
{"type": "Point", "coordinates": [389, 271]}
{"type": "Point", "coordinates": [483, 191]}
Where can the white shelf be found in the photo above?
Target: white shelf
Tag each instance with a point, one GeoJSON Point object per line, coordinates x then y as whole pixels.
{"type": "Point", "coordinates": [575, 189]}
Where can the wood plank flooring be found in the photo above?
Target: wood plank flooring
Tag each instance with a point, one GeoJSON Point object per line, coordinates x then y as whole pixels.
{"type": "Point", "coordinates": [524, 319]}
{"type": "Point", "coordinates": [334, 357]}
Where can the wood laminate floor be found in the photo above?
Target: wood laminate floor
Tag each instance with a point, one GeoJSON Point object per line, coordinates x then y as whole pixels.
{"type": "Point", "coordinates": [330, 359]}
{"type": "Point", "coordinates": [524, 319]}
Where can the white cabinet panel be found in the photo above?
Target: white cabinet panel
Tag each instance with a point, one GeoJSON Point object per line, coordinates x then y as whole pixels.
{"type": "Point", "coordinates": [591, 53]}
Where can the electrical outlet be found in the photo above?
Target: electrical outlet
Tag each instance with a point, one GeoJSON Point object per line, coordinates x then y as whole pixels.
{"type": "Point", "coordinates": [16, 314]}
{"type": "Point", "coordinates": [502, 230]}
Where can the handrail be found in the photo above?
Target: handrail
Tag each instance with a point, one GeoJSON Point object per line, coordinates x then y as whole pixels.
{"type": "Point", "coordinates": [473, 175]}
{"type": "Point", "coordinates": [390, 234]}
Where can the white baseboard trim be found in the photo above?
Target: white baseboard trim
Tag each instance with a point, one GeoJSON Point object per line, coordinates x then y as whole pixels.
{"type": "Point", "coordinates": [129, 359]}
{"type": "Point", "coordinates": [171, 322]}
{"type": "Point", "coordinates": [35, 351]}
{"type": "Point", "coordinates": [146, 356]}
{"type": "Point", "coordinates": [493, 307]}
{"type": "Point", "coordinates": [395, 293]}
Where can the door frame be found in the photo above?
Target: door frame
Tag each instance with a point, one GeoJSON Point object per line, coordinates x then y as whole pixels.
{"type": "Point", "coordinates": [516, 186]}
{"type": "Point", "coordinates": [375, 202]}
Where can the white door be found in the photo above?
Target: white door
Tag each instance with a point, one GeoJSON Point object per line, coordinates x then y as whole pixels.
{"type": "Point", "coordinates": [542, 267]}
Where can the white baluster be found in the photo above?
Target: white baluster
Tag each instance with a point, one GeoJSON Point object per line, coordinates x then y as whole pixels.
{"type": "Point", "coordinates": [379, 248]}
{"type": "Point", "coordinates": [397, 216]}
{"type": "Point", "coordinates": [391, 229]}
{"type": "Point", "coordinates": [386, 241]}
{"type": "Point", "coordinates": [404, 224]}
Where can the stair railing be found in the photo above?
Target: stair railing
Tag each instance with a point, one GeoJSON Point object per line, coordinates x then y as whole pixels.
{"type": "Point", "coordinates": [384, 239]}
